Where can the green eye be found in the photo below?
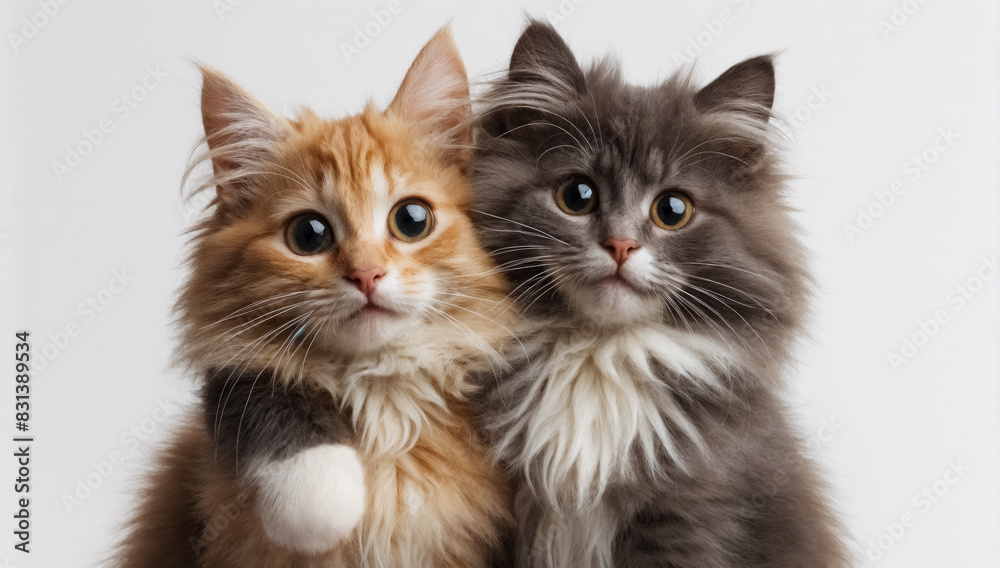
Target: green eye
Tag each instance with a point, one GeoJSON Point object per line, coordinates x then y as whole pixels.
{"type": "Point", "coordinates": [411, 220]}
{"type": "Point", "coordinates": [672, 210]}
{"type": "Point", "coordinates": [308, 234]}
{"type": "Point", "coordinates": [576, 197]}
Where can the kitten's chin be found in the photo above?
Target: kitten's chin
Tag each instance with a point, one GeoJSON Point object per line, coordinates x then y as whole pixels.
{"type": "Point", "coordinates": [369, 330]}
{"type": "Point", "coordinates": [611, 303]}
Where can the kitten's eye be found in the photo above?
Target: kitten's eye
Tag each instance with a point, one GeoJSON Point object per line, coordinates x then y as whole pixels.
{"type": "Point", "coordinates": [308, 234]}
{"type": "Point", "coordinates": [411, 220]}
{"type": "Point", "coordinates": [672, 210]}
{"type": "Point", "coordinates": [576, 197]}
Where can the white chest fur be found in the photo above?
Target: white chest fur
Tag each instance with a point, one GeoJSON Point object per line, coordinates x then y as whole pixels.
{"type": "Point", "coordinates": [392, 394]}
{"type": "Point", "coordinates": [419, 509]}
{"type": "Point", "coordinates": [590, 409]}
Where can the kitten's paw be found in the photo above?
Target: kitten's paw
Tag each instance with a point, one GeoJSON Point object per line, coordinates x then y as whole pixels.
{"type": "Point", "coordinates": [311, 501]}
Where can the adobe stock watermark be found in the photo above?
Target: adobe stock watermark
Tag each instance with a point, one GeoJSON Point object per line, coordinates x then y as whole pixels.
{"type": "Point", "coordinates": [193, 207]}
{"type": "Point", "coordinates": [219, 520]}
{"type": "Point", "coordinates": [711, 30]}
{"type": "Point", "coordinates": [817, 98]}
{"type": "Point", "coordinates": [32, 25]}
{"type": "Point", "coordinates": [121, 108]}
{"type": "Point", "coordinates": [913, 169]}
{"type": "Point", "coordinates": [225, 7]}
{"type": "Point", "coordinates": [956, 299]}
{"type": "Point", "coordinates": [922, 503]}
{"type": "Point", "coordinates": [819, 95]}
{"type": "Point", "coordinates": [132, 446]}
{"type": "Point", "coordinates": [363, 35]}
{"type": "Point", "coordinates": [563, 11]}
{"type": "Point", "coordinates": [899, 16]}
{"type": "Point", "coordinates": [796, 461]}
{"type": "Point", "coordinates": [86, 311]}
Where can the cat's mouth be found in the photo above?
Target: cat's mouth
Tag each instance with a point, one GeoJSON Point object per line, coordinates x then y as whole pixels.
{"type": "Point", "coordinates": [618, 281]}
{"type": "Point", "coordinates": [372, 310]}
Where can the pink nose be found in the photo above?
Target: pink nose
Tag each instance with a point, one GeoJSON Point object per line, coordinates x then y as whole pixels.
{"type": "Point", "coordinates": [366, 280]}
{"type": "Point", "coordinates": [620, 249]}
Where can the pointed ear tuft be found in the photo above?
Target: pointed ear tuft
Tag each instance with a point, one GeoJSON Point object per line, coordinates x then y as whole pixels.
{"type": "Point", "coordinates": [239, 130]}
{"type": "Point", "coordinates": [541, 55]}
{"type": "Point", "coordinates": [434, 97]}
{"type": "Point", "coordinates": [750, 81]}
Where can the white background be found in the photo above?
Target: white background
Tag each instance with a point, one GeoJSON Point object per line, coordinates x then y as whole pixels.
{"type": "Point", "coordinates": [889, 432]}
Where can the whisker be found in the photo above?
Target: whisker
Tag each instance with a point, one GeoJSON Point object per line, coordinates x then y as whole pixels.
{"type": "Point", "coordinates": [514, 231]}
{"type": "Point", "coordinates": [314, 331]}
{"type": "Point", "coordinates": [733, 300]}
{"type": "Point", "coordinates": [529, 227]}
{"type": "Point", "coordinates": [239, 426]}
{"type": "Point", "coordinates": [266, 317]}
{"type": "Point", "coordinates": [738, 314]}
{"type": "Point", "coordinates": [712, 141]}
{"type": "Point", "coordinates": [540, 156]}
{"type": "Point", "coordinates": [722, 319]}
{"type": "Point", "coordinates": [765, 278]}
{"type": "Point", "coordinates": [541, 293]}
{"type": "Point", "coordinates": [257, 346]}
{"type": "Point", "coordinates": [500, 104]}
{"type": "Point", "coordinates": [248, 307]}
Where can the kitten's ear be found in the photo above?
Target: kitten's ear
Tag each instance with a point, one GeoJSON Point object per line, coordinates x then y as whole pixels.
{"type": "Point", "coordinates": [745, 89]}
{"type": "Point", "coordinates": [239, 130]}
{"type": "Point", "coordinates": [434, 97]}
{"type": "Point", "coordinates": [542, 56]}
{"type": "Point", "coordinates": [750, 81]}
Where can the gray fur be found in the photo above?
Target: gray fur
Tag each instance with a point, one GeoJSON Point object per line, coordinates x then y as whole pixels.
{"type": "Point", "coordinates": [728, 486]}
{"type": "Point", "coordinates": [253, 417]}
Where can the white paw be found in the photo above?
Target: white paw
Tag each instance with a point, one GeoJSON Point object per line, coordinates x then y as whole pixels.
{"type": "Point", "coordinates": [311, 501]}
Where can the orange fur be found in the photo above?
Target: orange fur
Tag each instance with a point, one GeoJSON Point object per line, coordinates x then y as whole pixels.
{"type": "Point", "coordinates": [434, 496]}
{"type": "Point", "coordinates": [194, 514]}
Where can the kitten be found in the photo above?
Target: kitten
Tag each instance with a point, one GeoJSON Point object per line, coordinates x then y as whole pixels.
{"type": "Point", "coordinates": [337, 301]}
{"type": "Point", "coordinates": [662, 286]}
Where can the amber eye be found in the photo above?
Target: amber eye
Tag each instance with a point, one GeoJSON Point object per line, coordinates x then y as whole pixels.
{"type": "Point", "coordinates": [672, 210]}
{"type": "Point", "coordinates": [576, 197]}
{"type": "Point", "coordinates": [411, 220]}
{"type": "Point", "coordinates": [308, 234]}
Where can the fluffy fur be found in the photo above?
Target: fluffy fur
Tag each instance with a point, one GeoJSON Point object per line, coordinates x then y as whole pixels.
{"type": "Point", "coordinates": [642, 412]}
{"type": "Point", "coordinates": [597, 396]}
{"type": "Point", "coordinates": [334, 429]}
{"type": "Point", "coordinates": [312, 500]}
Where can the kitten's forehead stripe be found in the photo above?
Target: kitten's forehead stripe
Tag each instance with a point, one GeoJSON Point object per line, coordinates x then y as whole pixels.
{"type": "Point", "coordinates": [355, 183]}
{"type": "Point", "coordinates": [350, 161]}
{"type": "Point", "coordinates": [380, 187]}
{"type": "Point", "coordinates": [328, 190]}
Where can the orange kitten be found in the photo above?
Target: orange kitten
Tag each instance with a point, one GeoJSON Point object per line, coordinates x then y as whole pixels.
{"type": "Point", "coordinates": [337, 301]}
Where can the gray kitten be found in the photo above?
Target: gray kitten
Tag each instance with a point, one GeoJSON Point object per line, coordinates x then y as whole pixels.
{"type": "Point", "coordinates": [661, 286]}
